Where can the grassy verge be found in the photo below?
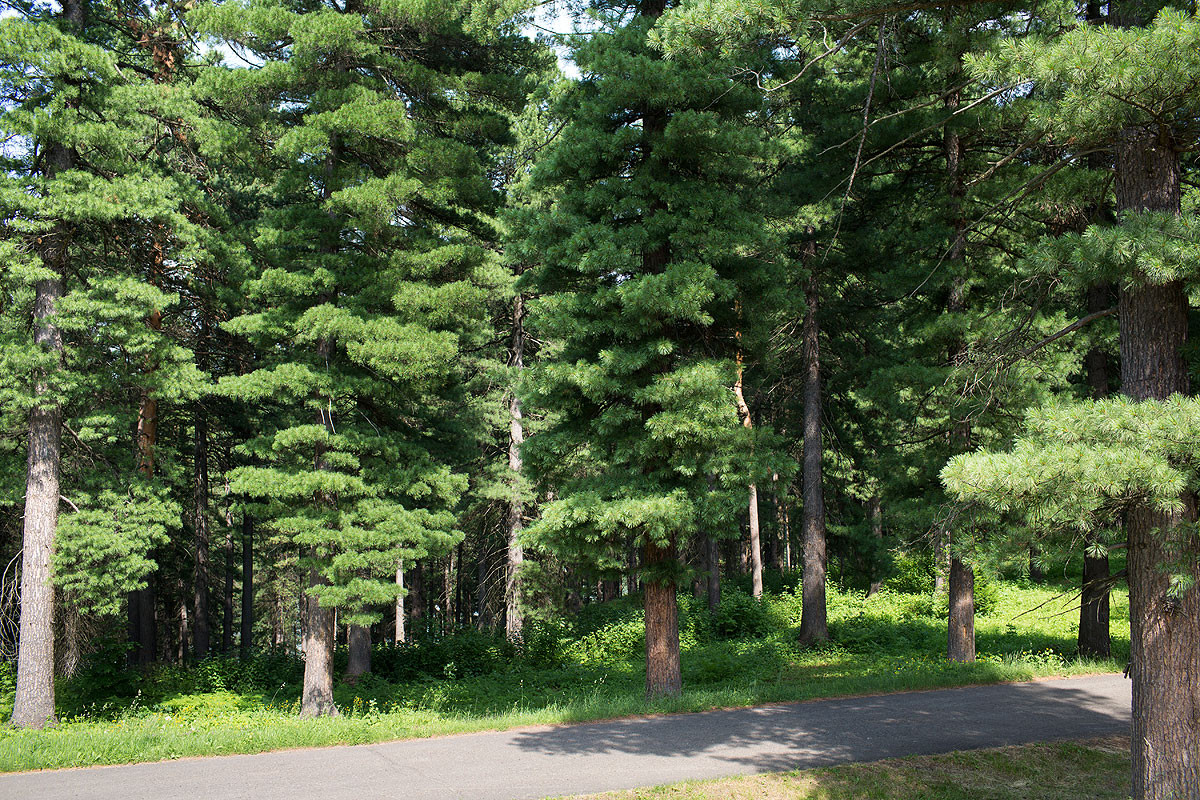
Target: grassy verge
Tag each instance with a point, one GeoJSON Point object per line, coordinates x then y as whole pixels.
{"type": "Point", "coordinates": [1096, 769]}
{"type": "Point", "coordinates": [886, 643]}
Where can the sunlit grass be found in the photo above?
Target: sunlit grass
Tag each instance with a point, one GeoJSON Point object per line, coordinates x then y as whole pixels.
{"type": "Point", "coordinates": [1096, 769]}
{"type": "Point", "coordinates": [881, 644]}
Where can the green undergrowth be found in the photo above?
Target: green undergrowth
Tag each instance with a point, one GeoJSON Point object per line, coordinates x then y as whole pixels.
{"type": "Point", "coordinates": [590, 668]}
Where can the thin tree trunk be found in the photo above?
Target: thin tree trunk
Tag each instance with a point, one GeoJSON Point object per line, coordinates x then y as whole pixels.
{"type": "Point", "coordinates": [448, 591]}
{"type": "Point", "coordinates": [663, 677]}
{"type": "Point", "coordinates": [875, 512]}
{"type": "Point", "coordinates": [513, 617]}
{"type": "Point", "coordinates": [400, 635]}
{"type": "Point", "coordinates": [358, 639]}
{"type": "Point", "coordinates": [481, 587]}
{"type": "Point", "coordinates": [1094, 639]}
{"type": "Point", "coordinates": [784, 521]}
{"type": "Point", "coordinates": [247, 643]}
{"type": "Point", "coordinates": [1036, 573]}
{"type": "Point", "coordinates": [72, 655]}
{"type": "Point", "coordinates": [1164, 627]}
{"type": "Point", "coordinates": [417, 593]}
{"type": "Point", "coordinates": [200, 518]}
{"type": "Point", "coordinates": [182, 645]}
{"type": "Point", "coordinates": [714, 572]}
{"type": "Point", "coordinates": [962, 577]}
{"type": "Point", "coordinates": [141, 634]}
{"type": "Point", "coordinates": [814, 624]}
{"type": "Point", "coordinates": [318, 631]}
{"type": "Point", "coordinates": [277, 620]}
{"type": "Point", "coordinates": [756, 567]}
{"type": "Point", "coordinates": [227, 596]}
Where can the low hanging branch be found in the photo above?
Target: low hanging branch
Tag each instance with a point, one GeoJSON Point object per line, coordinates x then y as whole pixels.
{"type": "Point", "coordinates": [1074, 326]}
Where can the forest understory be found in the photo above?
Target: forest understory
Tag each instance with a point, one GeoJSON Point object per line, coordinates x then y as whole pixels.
{"type": "Point", "coordinates": [589, 668]}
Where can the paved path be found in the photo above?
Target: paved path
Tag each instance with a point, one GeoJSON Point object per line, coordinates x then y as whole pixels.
{"type": "Point", "coordinates": [539, 762]}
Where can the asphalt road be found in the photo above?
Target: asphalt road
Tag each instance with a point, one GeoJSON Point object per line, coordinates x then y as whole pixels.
{"type": "Point", "coordinates": [596, 757]}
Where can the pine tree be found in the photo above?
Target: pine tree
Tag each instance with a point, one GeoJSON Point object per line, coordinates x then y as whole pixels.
{"type": "Point", "coordinates": [639, 265]}
{"type": "Point", "coordinates": [371, 274]}
{"type": "Point", "coordinates": [92, 196]}
{"type": "Point", "coordinates": [1140, 105]}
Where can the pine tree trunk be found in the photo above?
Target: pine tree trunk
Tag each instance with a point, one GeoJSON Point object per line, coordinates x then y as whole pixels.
{"type": "Point", "coordinates": [481, 588]}
{"type": "Point", "coordinates": [814, 625]}
{"type": "Point", "coordinates": [359, 645]}
{"type": "Point", "coordinates": [1094, 638]}
{"type": "Point", "coordinates": [417, 593]}
{"type": "Point", "coordinates": [227, 596]}
{"type": "Point", "coordinates": [756, 567]}
{"type": "Point", "coordinates": [201, 526]}
{"type": "Point", "coordinates": [247, 643]}
{"type": "Point", "coordinates": [318, 632]}
{"type": "Point", "coordinates": [784, 521]}
{"type": "Point", "coordinates": [318, 627]}
{"type": "Point", "coordinates": [714, 573]}
{"type": "Point", "coordinates": [663, 677]}
{"type": "Point", "coordinates": [875, 512]}
{"type": "Point", "coordinates": [72, 655]}
{"type": "Point", "coordinates": [1164, 629]}
{"type": "Point", "coordinates": [401, 635]}
{"type": "Point", "coordinates": [961, 586]}
{"type": "Point", "coordinates": [513, 618]}
{"type": "Point", "coordinates": [448, 591]}
{"type": "Point", "coordinates": [33, 705]}
{"type": "Point", "coordinates": [961, 639]}
{"type": "Point", "coordinates": [1036, 574]}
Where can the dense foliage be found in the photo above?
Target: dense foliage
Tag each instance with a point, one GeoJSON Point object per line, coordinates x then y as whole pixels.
{"type": "Point", "coordinates": [357, 329]}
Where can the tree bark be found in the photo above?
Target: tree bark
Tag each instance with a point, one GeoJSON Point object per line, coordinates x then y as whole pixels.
{"type": "Point", "coordinates": [1094, 639]}
{"type": "Point", "coordinates": [875, 512]}
{"type": "Point", "coordinates": [481, 587]}
{"type": "Point", "coordinates": [1036, 574]}
{"type": "Point", "coordinates": [663, 676]}
{"type": "Point", "coordinates": [72, 656]}
{"type": "Point", "coordinates": [200, 516]}
{"type": "Point", "coordinates": [247, 642]}
{"type": "Point", "coordinates": [961, 586]}
{"type": "Point", "coordinates": [318, 632]}
{"type": "Point", "coordinates": [714, 572]}
{"type": "Point", "coordinates": [814, 624]}
{"type": "Point", "coordinates": [756, 567]}
{"type": "Point", "coordinates": [1164, 628]}
{"type": "Point", "coordinates": [417, 592]}
{"type": "Point", "coordinates": [960, 644]}
{"type": "Point", "coordinates": [359, 644]}
{"type": "Point", "coordinates": [33, 704]}
{"type": "Point", "coordinates": [784, 521]}
{"type": "Point", "coordinates": [227, 595]}
{"type": "Point", "coordinates": [401, 635]}
{"type": "Point", "coordinates": [513, 618]}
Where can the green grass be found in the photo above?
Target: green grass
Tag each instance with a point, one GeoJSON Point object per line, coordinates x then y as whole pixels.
{"type": "Point", "coordinates": [1096, 769]}
{"type": "Point", "coordinates": [591, 670]}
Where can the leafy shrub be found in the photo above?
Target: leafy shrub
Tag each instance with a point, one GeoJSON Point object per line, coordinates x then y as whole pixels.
{"type": "Point", "coordinates": [617, 641]}
{"type": "Point", "coordinates": [468, 653]}
{"type": "Point", "coordinates": [912, 573]}
{"type": "Point", "coordinates": [543, 642]}
{"type": "Point", "coordinates": [739, 615]}
{"type": "Point", "coordinates": [102, 677]}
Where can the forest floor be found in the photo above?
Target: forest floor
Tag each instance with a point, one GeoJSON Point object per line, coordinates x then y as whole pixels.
{"type": "Point", "coordinates": [535, 762]}
{"type": "Point", "coordinates": [590, 668]}
{"type": "Point", "coordinates": [1092, 769]}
